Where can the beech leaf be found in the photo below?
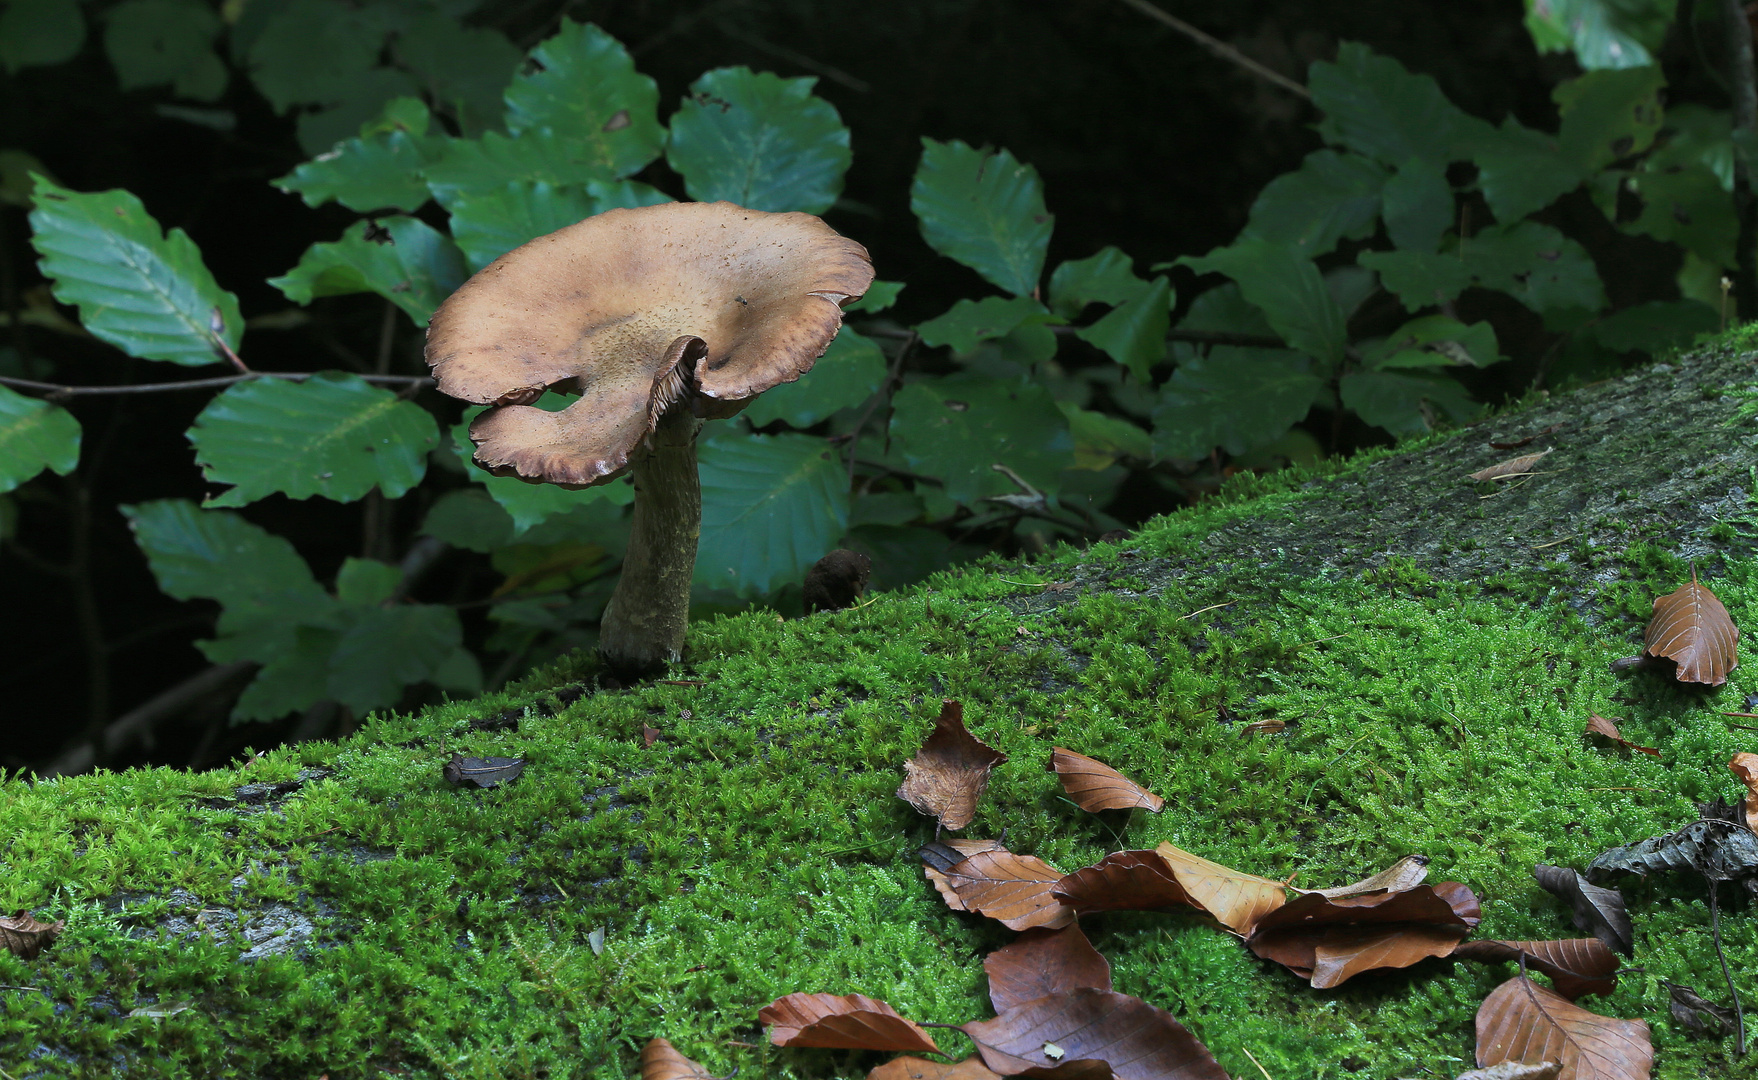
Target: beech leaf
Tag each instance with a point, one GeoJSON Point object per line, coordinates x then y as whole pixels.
{"type": "Point", "coordinates": [1697, 1014]}
{"type": "Point", "coordinates": [1136, 1040]}
{"type": "Point", "coordinates": [1515, 1070]}
{"type": "Point", "coordinates": [1522, 1021]}
{"type": "Point", "coordinates": [1507, 470]}
{"type": "Point", "coordinates": [1044, 962]}
{"type": "Point", "coordinates": [1328, 941]}
{"type": "Point", "coordinates": [915, 1068]}
{"type": "Point", "coordinates": [660, 1060]}
{"type": "Point", "coordinates": [1745, 766]}
{"type": "Point", "coordinates": [1577, 966]}
{"type": "Point", "coordinates": [25, 937]}
{"type": "Point", "coordinates": [1719, 850]}
{"type": "Point", "coordinates": [1236, 900]}
{"type": "Point", "coordinates": [1599, 911]}
{"type": "Point", "coordinates": [850, 1022]}
{"type": "Point", "coordinates": [1094, 785]}
{"type": "Point", "coordinates": [1599, 725]}
{"type": "Point", "coordinates": [1691, 628]}
{"type": "Point", "coordinates": [1123, 881]}
{"type": "Point", "coordinates": [1406, 873]}
{"type": "Point", "coordinates": [1011, 889]}
{"type": "Point", "coordinates": [483, 772]}
{"type": "Point", "coordinates": [948, 774]}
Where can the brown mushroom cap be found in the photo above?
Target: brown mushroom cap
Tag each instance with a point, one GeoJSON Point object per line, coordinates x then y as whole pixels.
{"type": "Point", "coordinates": [614, 303]}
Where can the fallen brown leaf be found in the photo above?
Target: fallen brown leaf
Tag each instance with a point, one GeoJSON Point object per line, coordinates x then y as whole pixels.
{"type": "Point", "coordinates": [1236, 900]}
{"type": "Point", "coordinates": [915, 1068]}
{"type": "Point", "coordinates": [1136, 1040]}
{"type": "Point", "coordinates": [660, 1060]}
{"type": "Point", "coordinates": [1406, 873]}
{"type": "Point", "coordinates": [1515, 1070]}
{"type": "Point", "coordinates": [1011, 889]}
{"type": "Point", "coordinates": [1094, 785]}
{"type": "Point", "coordinates": [1598, 911]}
{"type": "Point", "coordinates": [1505, 470]}
{"type": "Point", "coordinates": [1328, 941]}
{"type": "Point", "coordinates": [1265, 727]}
{"type": "Point", "coordinates": [948, 774]}
{"type": "Point", "coordinates": [1044, 962]}
{"type": "Point", "coordinates": [1697, 1014]}
{"type": "Point", "coordinates": [26, 937]}
{"type": "Point", "coordinates": [1691, 628]}
{"type": "Point", "coordinates": [849, 1022]}
{"type": "Point", "coordinates": [1745, 766]}
{"type": "Point", "coordinates": [648, 735]}
{"type": "Point", "coordinates": [1577, 966]}
{"type": "Point", "coordinates": [1599, 725]}
{"type": "Point", "coordinates": [1522, 1021]}
{"type": "Point", "coordinates": [1123, 881]}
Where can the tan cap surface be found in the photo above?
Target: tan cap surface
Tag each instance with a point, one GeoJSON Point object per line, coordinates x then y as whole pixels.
{"type": "Point", "coordinates": [602, 305]}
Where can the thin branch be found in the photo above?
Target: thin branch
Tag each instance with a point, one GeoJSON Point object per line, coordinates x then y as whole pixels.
{"type": "Point", "coordinates": [883, 395]}
{"type": "Point", "coordinates": [799, 59]}
{"type": "Point", "coordinates": [1743, 86]}
{"type": "Point", "coordinates": [138, 723]}
{"type": "Point", "coordinates": [1715, 926]}
{"type": "Point", "coordinates": [59, 391]}
{"type": "Point", "coordinates": [1221, 48]}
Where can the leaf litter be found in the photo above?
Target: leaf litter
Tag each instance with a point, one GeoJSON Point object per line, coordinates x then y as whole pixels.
{"type": "Point", "coordinates": [1094, 785]}
{"type": "Point", "coordinates": [1600, 725]}
{"type": "Point", "coordinates": [947, 776]}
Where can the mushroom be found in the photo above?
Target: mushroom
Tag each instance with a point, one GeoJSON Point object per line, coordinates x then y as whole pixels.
{"type": "Point", "coordinates": [660, 317]}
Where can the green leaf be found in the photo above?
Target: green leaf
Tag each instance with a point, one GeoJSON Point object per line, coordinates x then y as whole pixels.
{"type": "Point", "coordinates": [37, 33]}
{"type": "Point", "coordinates": [385, 649]}
{"type": "Point", "coordinates": [1100, 439]}
{"type": "Point", "coordinates": [465, 68]}
{"type": "Point", "coordinates": [1406, 404]}
{"type": "Point", "coordinates": [1418, 205]}
{"type": "Point", "coordinates": [1105, 277]}
{"type": "Point", "coordinates": [529, 504]}
{"type": "Point", "coordinates": [217, 555]}
{"type": "Point", "coordinates": [1234, 398]}
{"type": "Point", "coordinates": [353, 102]}
{"type": "Point", "coordinates": [772, 505]}
{"type": "Point", "coordinates": [292, 678]}
{"type": "Point", "coordinates": [34, 435]}
{"type": "Point", "coordinates": [1420, 278]}
{"type": "Point", "coordinates": [366, 582]}
{"type": "Point", "coordinates": [958, 427]}
{"type": "Point", "coordinates": [1286, 285]}
{"type": "Point", "coordinates": [154, 42]}
{"type": "Point", "coordinates": [1609, 115]}
{"type": "Point", "coordinates": [583, 87]}
{"type": "Point", "coordinates": [414, 266]}
{"type": "Point", "coordinates": [971, 321]}
{"type": "Point", "coordinates": [848, 373]}
{"type": "Point", "coordinates": [623, 194]}
{"type": "Point", "coordinates": [1536, 264]}
{"type": "Point", "coordinates": [469, 519]}
{"type": "Point", "coordinates": [1134, 332]}
{"type": "Point", "coordinates": [1657, 325]}
{"type": "Point", "coordinates": [759, 140]}
{"type": "Point", "coordinates": [312, 52]}
{"type": "Point", "coordinates": [1435, 341]}
{"type": "Point", "coordinates": [1522, 171]}
{"type": "Point", "coordinates": [985, 209]}
{"type": "Point", "coordinates": [1601, 33]}
{"type": "Point", "coordinates": [1224, 309]}
{"type": "Point", "coordinates": [1373, 106]}
{"type": "Point", "coordinates": [1686, 205]}
{"type": "Point", "coordinates": [143, 291]}
{"type": "Point", "coordinates": [334, 435]}
{"type": "Point", "coordinates": [880, 295]}
{"type": "Point", "coordinates": [488, 224]}
{"type": "Point", "coordinates": [378, 169]}
{"type": "Point", "coordinates": [1331, 197]}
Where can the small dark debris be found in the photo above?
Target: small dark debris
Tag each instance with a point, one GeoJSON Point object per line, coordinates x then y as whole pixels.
{"type": "Point", "coordinates": [506, 720]}
{"type": "Point", "coordinates": [483, 772]}
{"type": "Point", "coordinates": [837, 580]}
{"type": "Point", "coordinates": [1224, 715]}
{"type": "Point", "coordinates": [567, 695]}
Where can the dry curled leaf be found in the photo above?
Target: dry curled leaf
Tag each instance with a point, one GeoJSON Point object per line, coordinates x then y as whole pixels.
{"type": "Point", "coordinates": [1011, 889]}
{"type": "Point", "coordinates": [1691, 628]}
{"type": "Point", "coordinates": [660, 1060]}
{"type": "Point", "coordinates": [483, 772]}
{"type": "Point", "coordinates": [1265, 727]}
{"type": "Point", "coordinates": [849, 1022]}
{"type": "Point", "coordinates": [1598, 911]}
{"type": "Point", "coordinates": [1745, 766]}
{"type": "Point", "coordinates": [1236, 900]}
{"type": "Point", "coordinates": [26, 937]}
{"type": "Point", "coordinates": [1515, 1070]}
{"type": "Point", "coordinates": [1094, 785]}
{"type": "Point", "coordinates": [1522, 1021]}
{"type": "Point", "coordinates": [1507, 470]}
{"type": "Point", "coordinates": [1044, 962]}
{"type": "Point", "coordinates": [1329, 941]}
{"type": "Point", "coordinates": [1577, 966]}
{"type": "Point", "coordinates": [1600, 725]}
{"type": "Point", "coordinates": [1406, 873]}
{"type": "Point", "coordinates": [1123, 881]}
{"type": "Point", "coordinates": [1134, 1039]}
{"type": "Point", "coordinates": [948, 774]}
{"type": "Point", "coordinates": [915, 1068]}
{"type": "Point", "coordinates": [1719, 850]}
{"type": "Point", "coordinates": [1697, 1014]}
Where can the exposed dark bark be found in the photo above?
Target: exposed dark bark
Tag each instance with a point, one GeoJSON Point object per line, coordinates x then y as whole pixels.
{"type": "Point", "coordinates": [1743, 84]}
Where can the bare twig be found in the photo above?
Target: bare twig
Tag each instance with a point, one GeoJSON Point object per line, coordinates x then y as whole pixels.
{"type": "Point", "coordinates": [1223, 50]}
{"type": "Point", "coordinates": [59, 391]}
{"type": "Point", "coordinates": [881, 397]}
{"type": "Point", "coordinates": [799, 59]}
{"type": "Point", "coordinates": [138, 723]}
{"type": "Point", "coordinates": [1715, 927]}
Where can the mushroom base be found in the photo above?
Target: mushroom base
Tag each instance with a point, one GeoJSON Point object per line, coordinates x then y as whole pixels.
{"type": "Point", "coordinates": [643, 627]}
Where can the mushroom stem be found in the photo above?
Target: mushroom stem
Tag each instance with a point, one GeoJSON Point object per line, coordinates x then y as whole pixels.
{"type": "Point", "coordinates": [643, 628]}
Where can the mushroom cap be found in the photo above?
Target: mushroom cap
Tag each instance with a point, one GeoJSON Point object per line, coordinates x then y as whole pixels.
{"type": "Point", "coordinates": [614, 304]}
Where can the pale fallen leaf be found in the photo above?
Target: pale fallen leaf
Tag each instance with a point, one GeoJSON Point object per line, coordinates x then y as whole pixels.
{"type": "Point", "coordinates": [1094, 785]}
{"type": "Point", "coordinates": [1507, 470]}
{"type": "Point", "coordinates": [948, 774]}
{"type": "Point", "coordinates": [1745, 766]}
{"type": "Point", "coordinates": [1236, 900]}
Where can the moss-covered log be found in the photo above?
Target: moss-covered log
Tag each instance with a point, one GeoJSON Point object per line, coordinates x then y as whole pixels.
{"type": "Point", "coordinates": [1434, 646]}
